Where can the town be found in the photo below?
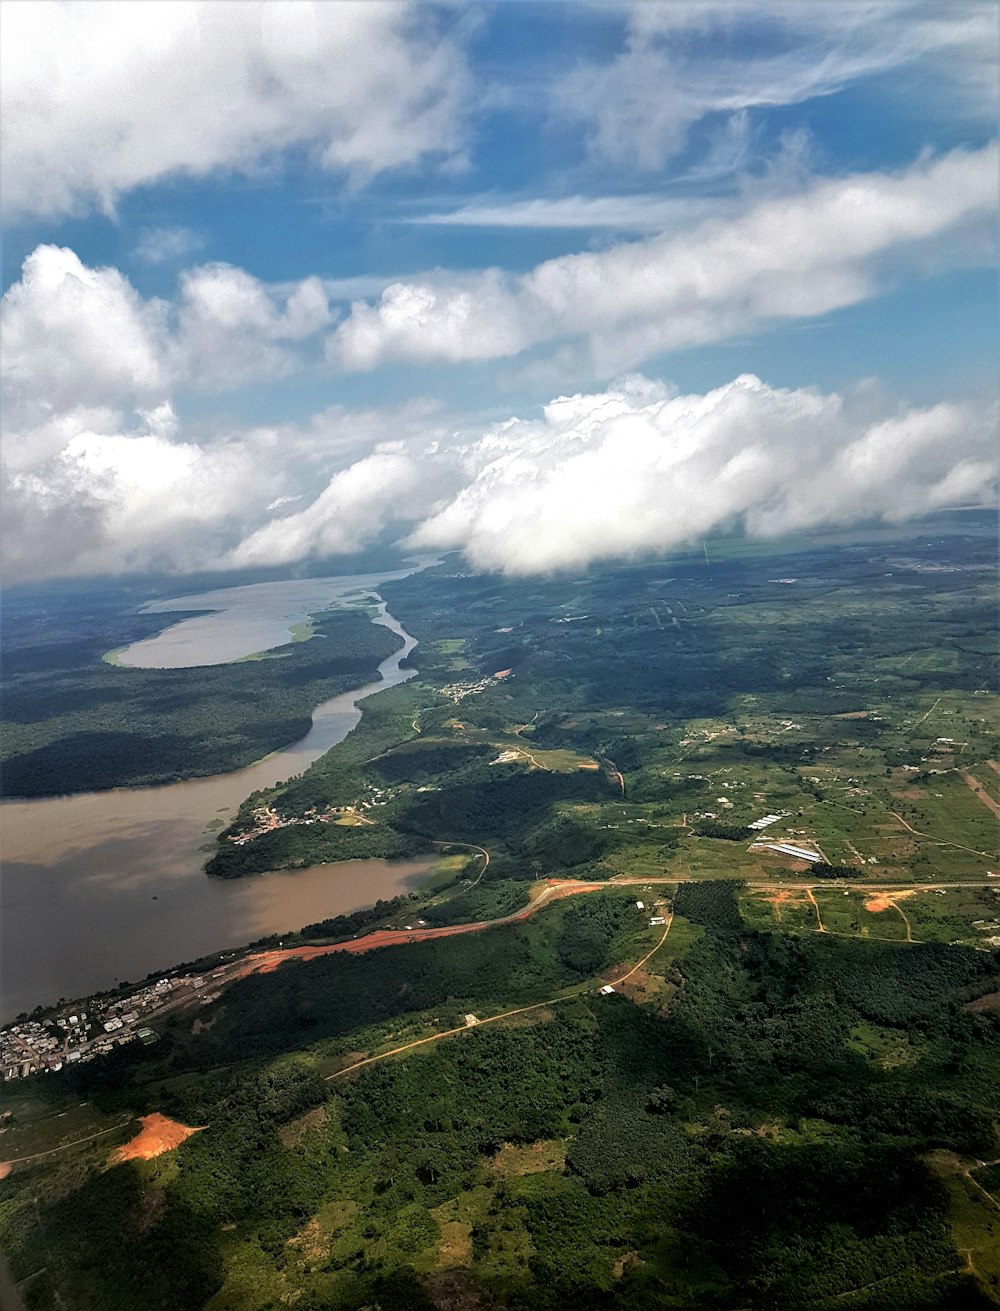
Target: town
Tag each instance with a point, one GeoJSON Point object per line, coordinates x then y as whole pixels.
{"type": "Point", "coordinates": [38, 1044]}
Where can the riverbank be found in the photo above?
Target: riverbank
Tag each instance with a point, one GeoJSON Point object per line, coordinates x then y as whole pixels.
{"type": "Point", "coordinates": [105, 886]}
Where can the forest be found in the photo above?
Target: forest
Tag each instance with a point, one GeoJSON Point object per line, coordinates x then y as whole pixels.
{"type": "Point", "coordinates": [724, 1146]}
{"type": "Point", "coordinates": [74, 723]}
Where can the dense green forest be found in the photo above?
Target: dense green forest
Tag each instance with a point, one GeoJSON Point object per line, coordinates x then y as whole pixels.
{"type": "Point", "coordinates": [316, 845]}
{"type": "Point", "coordinates": [73, 723]}
{"type": "Point", "coordinates": [721, 1146]}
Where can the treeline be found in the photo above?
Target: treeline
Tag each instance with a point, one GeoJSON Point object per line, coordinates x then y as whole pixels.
{"type": "Point", "coordinates": [514, 805]}
{"type": "Point", "coordinates": [488, 900]}
{"type": "Point", "coordinates": [339, 927]}
{"type": "Point", "coordinates": [710, 828]}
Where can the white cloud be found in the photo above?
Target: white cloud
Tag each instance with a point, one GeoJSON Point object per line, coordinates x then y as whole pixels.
{"type": "Point", "coordinates": [102, 97]}
{"type": "Point", "coordinates": [353, 509]}
{"type": "Point", "coordinates": [113, 499]}
{"type": "Point", "coordinates": [636, 470]}
{"type": "Point", "coordinates": [75, 337]}
{"type": "Point", "coordinates": [474, 318]}
{"type": "Point", "coordinates": [637, 213]}
{"type": "Point", "coordinates": [97, 491]}
{"type": "Point", "coordinates": [632, 470]}
{"type": "Point", "coordinates": [163, 245]}
{"type": "Point", "coordinates": [793, 256]}
{"type": "Point", "coordinates": [640, 105]}
{"type": "Point", "coordinates": [231, 331]}
{"type": "Point", "coordinates": [78, 337]}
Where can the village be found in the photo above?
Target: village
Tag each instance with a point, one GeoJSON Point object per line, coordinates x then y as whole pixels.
{"type": "Point", "coordinates": [459, 691]}
{"type": "Point", "coordinates": [266, 819]}
{"type": "Point", "coordinates": [70, 1036]}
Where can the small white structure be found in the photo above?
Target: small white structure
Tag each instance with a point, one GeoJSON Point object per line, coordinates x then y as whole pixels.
{"type": "Point", "coordinates": [765, 821]}
{"type": "Point", "coordinates": [658, 919]}
{"type": "Point", "coordinates": [787, 849]}
{"type": "Point", "coordinates": [639, 906]}
{"type": "Point", "coordinates": [607, 989]}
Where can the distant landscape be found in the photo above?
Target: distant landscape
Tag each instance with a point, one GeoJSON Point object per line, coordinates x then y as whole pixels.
{"type": "Point", "coordinates": [718, 1072]}
{"type": "Point", "coordinates": [74, 722]}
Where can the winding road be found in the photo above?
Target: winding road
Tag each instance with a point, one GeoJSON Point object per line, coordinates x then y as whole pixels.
{"type": "Point", "coordinates": [504, 1015]}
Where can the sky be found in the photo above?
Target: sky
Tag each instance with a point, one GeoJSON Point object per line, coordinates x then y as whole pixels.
{"type": "Point", "coordinates": [544, 283]}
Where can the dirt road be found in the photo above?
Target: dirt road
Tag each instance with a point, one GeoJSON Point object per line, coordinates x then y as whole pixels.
{"type": "Point", "coordinates": [979, 791]}
{"type": "Point", "coordinates": [493, 1019]}
{"type": "Point", "coordinates": [555, 889]}
{"type": "Point", "coordinates": [940, 841]}
{"type": "Point", "coordinates": [268, 961]}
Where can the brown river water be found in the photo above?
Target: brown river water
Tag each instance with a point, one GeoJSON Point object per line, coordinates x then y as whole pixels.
{"type": "Point", "coordinates": [107, 886]}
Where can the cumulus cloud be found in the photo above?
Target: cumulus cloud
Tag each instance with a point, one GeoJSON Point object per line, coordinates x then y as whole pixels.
{"type": "Point", "coordinates": [793, 256]}
{"type": "Point", "coordinates": [102, 97]}
{"type": "Point", "coordinates": [74, 337]}
{"type": "Point", "coordinates": [231, 330]}
{"type": "Point", "coordinates": [353, 509]}
{"type": "Point", "coordinates": [481, 317]}
{"type": "Point", "coordinates": [116, 497]}
{"type": "Point", "coordinates": [77, 337]}
{"type": "Point", "coordinates": [632, 470]}
{"type": "Point", "coordinates": [97, 490]}
{"type": "Point", "coordinates": [640, 105]}
{"type": "Point", "coordinates": [636, 470]}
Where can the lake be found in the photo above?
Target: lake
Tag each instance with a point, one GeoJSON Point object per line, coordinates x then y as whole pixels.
{"type": "Point", "coordinates": [106, 886]}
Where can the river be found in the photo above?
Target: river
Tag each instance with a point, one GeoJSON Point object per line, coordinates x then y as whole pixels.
{"type": "Point", "coordinates": [106, 886]}
{"type": "Point", "coordinates": [242, 621]}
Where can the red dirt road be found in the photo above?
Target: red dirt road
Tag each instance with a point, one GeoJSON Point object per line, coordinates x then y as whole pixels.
{"type": "Point", "coordinates": [267, 961]}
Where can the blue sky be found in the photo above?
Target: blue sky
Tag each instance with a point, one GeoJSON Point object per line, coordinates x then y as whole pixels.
{"type": "Point", "coordinates": [282, 279]}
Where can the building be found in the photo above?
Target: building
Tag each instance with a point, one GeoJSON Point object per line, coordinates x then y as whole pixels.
{"type": "Point", "coordinates": [765, 821]}
{"type": "Point", "coordinates": [787, 849]}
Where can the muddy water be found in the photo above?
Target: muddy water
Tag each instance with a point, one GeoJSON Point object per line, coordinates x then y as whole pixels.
{"type": "Point", "coordinates": [109, 885]}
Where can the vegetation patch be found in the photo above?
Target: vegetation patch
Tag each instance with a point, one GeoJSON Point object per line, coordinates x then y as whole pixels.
{"type": "Point", "coordinates": [529, 1158]}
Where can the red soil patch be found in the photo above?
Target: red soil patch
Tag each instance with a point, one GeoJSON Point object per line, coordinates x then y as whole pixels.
{"type": "Point", "coordinates": [878, 904]}
{"type": "Point", "coordinates": [781, 898]}
{"type": "Point", "coordinates": [880, 901]}
{"type": "Point", "coordinates": [158, 1135]}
